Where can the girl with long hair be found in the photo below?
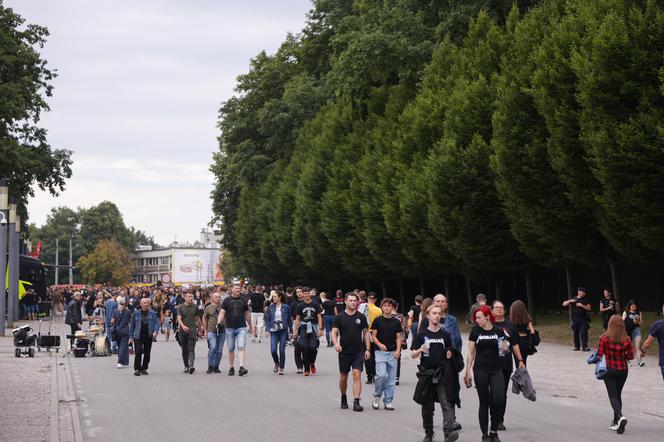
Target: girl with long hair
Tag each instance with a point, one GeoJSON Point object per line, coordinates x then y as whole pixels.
{"type": "Point", "coordinates": [633, 318]}
{"type": "Point", "coordinates": [616, 346]}
{"type": "Point", "coordinates": [523, 322]}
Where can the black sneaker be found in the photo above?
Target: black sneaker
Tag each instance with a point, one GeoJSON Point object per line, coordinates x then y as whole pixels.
{"type": "Point", "coordinates": [457, 426]}
{"type": "Point", "coordinates": [357, 406]}
{"type": "Point", "coordinates": [396, 382]}
{"type": "Point", "coordinates": [344, 402]}
{"type": "Point", "coordinates": [586, 348]}
{"type": "Point", "coordinates": [493, 437]}
{"type": "Point", "coordinates": [369, 381]}
{"type": "Point", "coordinates": [576, 349]}
{"type": "Point", "coordinates": [137, 373]}
{"type": "Point", "coordinates": [501, 427]}
{"type": "Point", "coordinates": [186, 370]}
{"type": "Point", "coordinates": [451, 436]}
{"type": "Point", "coordinates": [622, 423]}
{"type": "Point", "coordinates": [209, 370]}
{"type": "Point", "coordinates": [428, 437]}
{"type": "Point", "coordinates": [144, 372]}
{"type": "Point", "coordinates": [191, 370]}
{"type": "Point", "coordinates": [216, 370]}
{"type": "Point", "coordinates": [231, 371]}
{"type": "Point", "coordinates": [242, 371]}
{"type": "Point", "coordinates": [486, 439]}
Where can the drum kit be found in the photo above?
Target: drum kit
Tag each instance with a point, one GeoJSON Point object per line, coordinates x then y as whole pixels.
{"type": "Point", "coordinates": [92, 342]}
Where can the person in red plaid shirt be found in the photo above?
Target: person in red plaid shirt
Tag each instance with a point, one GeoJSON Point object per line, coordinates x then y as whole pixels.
{"type": "Point", "coordinates": [616, 346]}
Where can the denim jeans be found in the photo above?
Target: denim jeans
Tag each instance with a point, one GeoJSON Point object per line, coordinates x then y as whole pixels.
{"type": "Point", "coordinates": [328, 322]}
{"type": "Point", "coordinates": [114, 345]}
{"type": "Point", "coordinates": [386, 375]}
{"type": "Point", "coordinates": [236, 337]}
{"type": "Point", "coordinates": [123, 350]}
{"type": "Point", "coordinates": [215, 348]}
{"type": "Point", "coordinates": [279, 337]}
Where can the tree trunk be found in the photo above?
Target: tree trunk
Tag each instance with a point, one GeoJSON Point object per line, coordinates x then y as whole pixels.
{"type": "Point", "coordinates": [383, 287]}
{"type": "Point", "coordinates": [469, 293]}
{"type": "Point", "coordinates": [615, 282]}
{"type": "Point", "coordinates": [402, 297]}
{"type": "Point", "coordinates": [529, 293]}
{"type": "Point", "coordinates": [570, 289]}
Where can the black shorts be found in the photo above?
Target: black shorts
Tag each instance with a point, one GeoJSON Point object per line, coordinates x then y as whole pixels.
{"type": "Point", "coordinates": [354, 360]}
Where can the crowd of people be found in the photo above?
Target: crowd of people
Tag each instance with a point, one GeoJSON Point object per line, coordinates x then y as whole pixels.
{"type": "Point", "coordinates": [368, 335]}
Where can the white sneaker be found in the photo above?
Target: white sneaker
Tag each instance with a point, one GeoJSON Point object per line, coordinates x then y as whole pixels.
{"type": "Point", "coordinates": [613, 426]}
{"type": "Point", "coordinates": [642, 363]}
{"type": "Point", "coordinates": [376, 403]}
{"type": "Point", "coordinates": [120, 365]}
{"type": "Point", "coordinates": [389, 406]}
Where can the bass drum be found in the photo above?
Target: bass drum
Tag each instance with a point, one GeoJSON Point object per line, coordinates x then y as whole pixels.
{"type": "Point", "coordinates": [102, 347]}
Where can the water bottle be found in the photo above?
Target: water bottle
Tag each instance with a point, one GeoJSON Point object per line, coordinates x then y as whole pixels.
{"type": "Point", "coordinates": [501, 352]}
{"type": "Point", "coordinates": [426, 344]}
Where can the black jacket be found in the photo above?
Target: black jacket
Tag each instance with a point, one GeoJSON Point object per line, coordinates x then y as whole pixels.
{"type": "Point", "coordinates": [451, 377]}
{"type": "Point", "coordinates": [73, 315]}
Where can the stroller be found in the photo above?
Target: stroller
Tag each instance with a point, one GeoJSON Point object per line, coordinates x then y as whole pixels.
{"type": "Point", "coordinates": [24, 341]}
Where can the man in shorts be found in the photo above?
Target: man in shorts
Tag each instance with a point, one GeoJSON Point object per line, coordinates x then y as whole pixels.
{"type": "Point", "coordinates": [351, 340]}
{"type": "Point", "coordinates": [235, 316]}
{"type": "Point", "coordinates": [257, 303]}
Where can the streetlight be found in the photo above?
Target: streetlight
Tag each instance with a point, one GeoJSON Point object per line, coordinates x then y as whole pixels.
{"type": "Point", "coordinates": [4, 206]}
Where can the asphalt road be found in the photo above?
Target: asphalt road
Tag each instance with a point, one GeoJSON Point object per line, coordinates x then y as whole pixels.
{"type": "Point", "coordinates": [168, 405]}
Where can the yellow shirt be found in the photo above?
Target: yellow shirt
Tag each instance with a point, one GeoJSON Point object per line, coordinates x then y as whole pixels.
{"type": "Point", "coordinates": [373, 312]}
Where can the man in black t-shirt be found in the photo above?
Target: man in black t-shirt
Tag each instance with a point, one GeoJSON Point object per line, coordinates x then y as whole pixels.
{"type": "Point", "coordinates": [257, 303]}
{"type": "Point", "coordinates": [234, 314]}
{"type": "Point", "coordinates": [580, 308]}
{"type": "Point", "coordinates": [433, 345]}
{"type": "Point", "coordinates": [307, 328]}
{"type": "Point", "coordinates": [386, 336]}
{"type": "Point", "coordinates": [351, 341]}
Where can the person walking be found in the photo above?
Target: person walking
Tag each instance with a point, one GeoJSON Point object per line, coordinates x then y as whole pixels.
{"type": "Point", "coordinates": [523, 323]}
{"type": "Point", "coordinates": [297, 351]}
{"type": "Point", "coordinates": [339, 303]}
{"type": "Point", "coordinates": [215, 332]}
{"type": "Point", "coordinates": [372, 311]}
{"type": "Point", "coordinates": [351, 342]}
{"type": "Point", "coordinates": [414, 315]}
{"type": "Point", "coordinates": [307, 328]}
{"type": "Point", "coordinates": [143, 328]}
{"type": "Point", "coordinates": [512, 337]}
{"type": "Point", "coordinates": [236, 316]}
{"type": "Point", "coordinates": [120, 329]}
{"type": "Point", "coordinates": [616, 347]}
{"type": "Point", "coordinates": [279, 322]}
{"type": "Point", "coordinates": [580, 308]}
{"type": "Point", "coordinates": [111, 305]}
{"type": "Point", "coordinates": [386, 336]}
{"type": "Point", "coordinates": [188, 327]}
{"type": "Point", "coordinates": [328, 315]}
{"type": "Point", "coordinates": [607, 307]}
{"type": "Point", "coordinates": [257, 303]}
{"type": "Point", "coordinates": [73, 317]}
{"type": "Point", "coordinates": [433, 347]}
{"type": "Point", "coordinates": [633, 318]}
{"type": "Point", "coordinates": [487, 344]}
{"type": "Point", "coordinates": [480, 300]}
{"type": "Point", "coordinates": [656, 332]}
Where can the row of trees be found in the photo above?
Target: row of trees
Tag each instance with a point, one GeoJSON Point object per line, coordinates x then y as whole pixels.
{"type": "Point", "coordinates": [390, 139]}
{"type": "Point", "coordinates": [99, 237]}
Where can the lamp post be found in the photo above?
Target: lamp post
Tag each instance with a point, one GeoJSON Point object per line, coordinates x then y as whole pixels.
{"type": "Point", "coordinates": [12, 292]}
{"type": "Point", "coordinates": [4, 207]}
{"type": "Point", "coordinates": [17, 263]}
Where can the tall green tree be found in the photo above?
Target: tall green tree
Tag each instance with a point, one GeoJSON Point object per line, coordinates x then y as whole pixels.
{"type": "Point", "coordinates": [25, 83]}
{"type": "Point", "coordinates": [107, 263]}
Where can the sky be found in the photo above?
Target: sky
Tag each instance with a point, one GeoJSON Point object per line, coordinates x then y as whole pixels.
{"type": "Point", "coordinates": [137, 96]}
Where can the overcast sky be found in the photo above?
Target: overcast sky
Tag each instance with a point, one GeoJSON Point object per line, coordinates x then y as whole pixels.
{"type": "Point", "coordinates": [137, 96]}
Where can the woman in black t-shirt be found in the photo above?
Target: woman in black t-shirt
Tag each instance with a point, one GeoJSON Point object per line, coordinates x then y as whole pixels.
{"type": "Point", "coordinates": [633, 318]}
{"type": "Point", "coordinates": [607, 307]}
{"type": "Point", "coordinates": [487, 345]}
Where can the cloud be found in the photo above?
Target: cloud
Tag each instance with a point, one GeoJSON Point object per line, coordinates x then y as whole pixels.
{"type": "Point", "coordinates": [137, 96]}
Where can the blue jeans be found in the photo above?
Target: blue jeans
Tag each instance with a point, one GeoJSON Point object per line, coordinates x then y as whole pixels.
{"type": "Point", "coordinates": [107, 329]}
{"type": "Point", "coordinates": [329, 321]}
{"type": "Point", "coordinates": [237, 337]}
{"type": "Point", "coordinates": [386, 375]}
{"type": "Point", "coordinates": [215, 348]}
{"type": "Point", "coordinates": [279, 337]}
{"type": "Point", "coordinates": [123, 351]}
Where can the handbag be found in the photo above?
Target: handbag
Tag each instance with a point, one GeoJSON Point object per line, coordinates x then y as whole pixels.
{"type": "Point", "coordinates": [533, 341]}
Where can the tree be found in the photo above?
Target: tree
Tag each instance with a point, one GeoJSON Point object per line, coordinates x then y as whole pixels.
{"type": "Point", "coordinates": [108, 263]}
{"type": "Point", "coordinates": [27, 158]}
{"type": "Point", "coordinates": [103, 221]}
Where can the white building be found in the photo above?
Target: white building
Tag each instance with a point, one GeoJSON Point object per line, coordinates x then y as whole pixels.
{"type": "Point", "coordinates": [198, 263]}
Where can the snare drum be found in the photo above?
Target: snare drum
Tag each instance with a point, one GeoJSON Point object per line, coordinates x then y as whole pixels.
{"type": "Point", "coordinates": [80, 334]}
{"type": "Point", "coordinates": [101, 346]}
{"type": "Point", "coordinates": [95, 329]}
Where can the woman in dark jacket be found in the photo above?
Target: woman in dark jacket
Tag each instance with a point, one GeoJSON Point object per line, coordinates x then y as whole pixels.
{"type": "Point", "coordinates": [279, 321]}
{"type": "Point", "coordinates": [120, 330]}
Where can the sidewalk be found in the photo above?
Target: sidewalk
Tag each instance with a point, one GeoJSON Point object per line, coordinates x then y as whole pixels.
{"type": "Point", "coordinates": [37, 401]}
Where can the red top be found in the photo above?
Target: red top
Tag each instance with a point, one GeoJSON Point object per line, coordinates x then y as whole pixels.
{"type": "Point", "coordinates": [617, 355]}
